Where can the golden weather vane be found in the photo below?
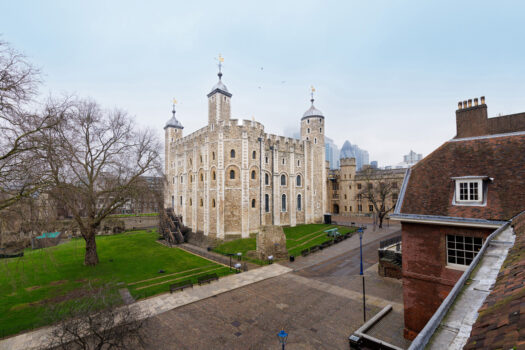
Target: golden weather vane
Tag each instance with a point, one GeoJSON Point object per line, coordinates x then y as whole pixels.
{"type": "Point", "coordinates": [174, 101]}
{"type": "Point", "coordinates": [312, 92]}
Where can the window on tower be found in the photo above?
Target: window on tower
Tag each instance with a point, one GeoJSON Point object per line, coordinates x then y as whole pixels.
{"type": "Point", "coordinates": [232, 153]}
{"type": "Point", "coordinates": [232, 174]}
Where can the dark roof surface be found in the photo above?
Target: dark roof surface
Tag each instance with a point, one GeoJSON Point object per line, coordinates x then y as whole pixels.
{"type": "Point", "coordinates": [501, 320]}
{"type": "Point", "coordinates": [430, 188]}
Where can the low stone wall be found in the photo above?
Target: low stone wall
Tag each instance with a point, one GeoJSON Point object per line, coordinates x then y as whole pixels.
{"type": "Point", "coordinates": [15, 241]}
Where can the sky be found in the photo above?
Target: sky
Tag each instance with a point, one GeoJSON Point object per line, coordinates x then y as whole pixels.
{"type": "Point", "coordinates": [388, 74]}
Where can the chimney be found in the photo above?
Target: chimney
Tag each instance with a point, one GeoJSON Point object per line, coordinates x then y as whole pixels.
{"type": "Point", "coordinates": [471, 120]}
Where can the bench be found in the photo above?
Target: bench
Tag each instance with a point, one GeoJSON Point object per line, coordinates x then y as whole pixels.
{"type": "Point", "coordinates": [180, 286]}
{"type": "Point", "coordinates": [207, 278]}
{"type": "Point", "coordinates": [305, 252]}
{"type": "Point", "coordinates": [314, 249]}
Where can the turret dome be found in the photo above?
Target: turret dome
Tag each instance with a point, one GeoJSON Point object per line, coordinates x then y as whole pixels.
{"type": "Point", "coordinates": [173, 122]}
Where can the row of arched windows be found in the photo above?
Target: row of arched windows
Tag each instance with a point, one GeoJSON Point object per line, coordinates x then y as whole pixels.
{"type": "Point", "coordinates": [298, 179]}
{"type": "Point", "coordinates": [253, 203]}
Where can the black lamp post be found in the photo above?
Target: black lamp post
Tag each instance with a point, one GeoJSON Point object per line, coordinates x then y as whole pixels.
{"type": "Point", "coordinates": [361, 231]}
{"type": "Point", "coordinates": [230, 255]}
{"type": "Point", "coordinates": [282, 337]}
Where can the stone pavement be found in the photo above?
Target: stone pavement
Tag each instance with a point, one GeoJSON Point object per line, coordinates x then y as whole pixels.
{"type": "Point", "coordinates": [162, 303]}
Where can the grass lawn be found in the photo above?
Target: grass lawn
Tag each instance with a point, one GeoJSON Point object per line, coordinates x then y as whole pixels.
{"type": "Point", "coordinates": [239, 245]}
{"type": "Point", "coordinates": [298, 238]}
{"type": "Point", "coordinates": [29, 284]}
{"type": "Point", "coordinates": [303, 237]}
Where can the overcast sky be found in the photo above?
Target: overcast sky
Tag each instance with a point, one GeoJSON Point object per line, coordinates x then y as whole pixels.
{"type": "Point", "coordinates": [388, 74]}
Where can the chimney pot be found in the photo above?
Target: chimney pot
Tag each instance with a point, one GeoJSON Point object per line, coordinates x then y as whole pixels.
{"type": "Point", "coordinates": [460, 105]}
{"type": "Point", "coordinates": [469, 103]}
{"type": "Point", "coordinates": [465, 104]}
{"type": "Point", "coordinates": [475, 102]}
{"type": "Point", "coordinates": [482, 100]}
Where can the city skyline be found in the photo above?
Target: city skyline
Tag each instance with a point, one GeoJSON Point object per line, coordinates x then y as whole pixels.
{"type": "Point", "coordinates": [379, 81]}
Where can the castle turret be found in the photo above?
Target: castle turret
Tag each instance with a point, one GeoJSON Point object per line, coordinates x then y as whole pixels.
{"type": "Point", "coordinates": [219, 100]}
{"type": "Point", "coordinates": [312, 133]}
{"type": "Point", "coordinates": [172, 133]}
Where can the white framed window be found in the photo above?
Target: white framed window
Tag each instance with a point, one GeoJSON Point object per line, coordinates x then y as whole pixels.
{"type": "Point", "coordinates": [469, 191]}
{"type": "Point", "coordinates": [461, 250]}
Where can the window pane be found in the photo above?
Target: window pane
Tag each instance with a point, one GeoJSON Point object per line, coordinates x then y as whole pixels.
{"type": "Point", "coordinates": [451, 259]}
{"type": "Point", "coordinates": [478, 241]}
{"type": "Point", "coordinates": [461, 261]}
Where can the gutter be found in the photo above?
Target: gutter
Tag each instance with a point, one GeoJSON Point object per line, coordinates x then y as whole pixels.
{"type": "Point", "coordinates": [447, 220]}
{"type": "Point", "coordinates": [427, 332]}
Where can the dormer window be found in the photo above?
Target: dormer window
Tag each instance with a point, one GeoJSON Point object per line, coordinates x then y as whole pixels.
{"type": "Point", "coordinates": [470, 190]}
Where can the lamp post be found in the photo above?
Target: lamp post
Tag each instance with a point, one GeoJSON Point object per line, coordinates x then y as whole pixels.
{"type": "Point", "coordinates": [361, 231]}
{"type": "Point", "coordinates": [230, 255]}
{"type": "Point", "coordinates": [282, 337]}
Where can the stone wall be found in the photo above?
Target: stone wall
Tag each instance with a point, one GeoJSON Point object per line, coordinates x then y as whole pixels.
{"type": "Point", "coordinates": [271, 241]}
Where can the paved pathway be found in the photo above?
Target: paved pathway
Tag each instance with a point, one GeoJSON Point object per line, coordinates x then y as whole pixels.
{"type": "Point", "coordinates": [162, 303]}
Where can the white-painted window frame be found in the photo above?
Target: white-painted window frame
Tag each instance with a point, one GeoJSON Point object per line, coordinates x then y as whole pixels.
{"type": "Point", "coordinates": [480, 191]}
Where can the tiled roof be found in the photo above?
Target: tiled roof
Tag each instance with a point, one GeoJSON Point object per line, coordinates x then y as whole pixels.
{"type": "Point", "coordinates": [430, 188]}
{"type": "Point", "coordinates": [501, 320]}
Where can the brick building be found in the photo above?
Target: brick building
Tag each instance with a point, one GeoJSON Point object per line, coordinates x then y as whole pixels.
{"type": "Point", "coordinates": [345, 184]}
{"type": "Point", "coordinates": [452, 200]}
{"type": "Point", "coordinates": [229, 178]}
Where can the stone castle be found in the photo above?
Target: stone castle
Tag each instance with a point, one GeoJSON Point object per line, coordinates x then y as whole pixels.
{"type": "Point", "coordinates": [228, 179]}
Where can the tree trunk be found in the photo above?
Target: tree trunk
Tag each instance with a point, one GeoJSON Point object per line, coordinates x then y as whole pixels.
{"type": "Point", "coordinates": [381, 217]}
{"type": "Point", "coordinates": [91, 258]}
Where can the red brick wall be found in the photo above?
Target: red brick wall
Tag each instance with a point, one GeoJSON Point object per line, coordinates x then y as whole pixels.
{"type": "Point", "coordinates": [426, 279]}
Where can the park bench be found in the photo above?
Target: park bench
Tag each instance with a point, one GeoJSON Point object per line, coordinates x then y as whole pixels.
{"type": "Point", "coordinates": [180, 286]}
{"type": "Point", "coordinates": [338, 239]}
{"type": "Point", "coordinates": [207, 278]}
{"type": "Point", "coordinates": [333, 232]}
{"type": "Point", "coordinates": [315, 248]}
{"type": "Point", "coordinates": [305, 252]}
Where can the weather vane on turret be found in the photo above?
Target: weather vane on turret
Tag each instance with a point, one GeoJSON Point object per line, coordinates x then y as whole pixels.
{"type": "Point", "coordinates": [174, 103]}
{"type": "Point", "coordinates": [312, 93]}
{"type": "Point", "coordinates": [220, 59]}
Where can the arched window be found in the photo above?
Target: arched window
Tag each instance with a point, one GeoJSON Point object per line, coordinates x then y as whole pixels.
{"type": "Point", "coordinates": [232, 174]}
{"type": "Point", "coordinates": [315, 139]}
{"type": "Point", "coordinates": [308, 130]}
{"type": "Point", "coordinates": [253, 174]}
{"type": "Point", "coordinates": [299, 204]}
{"type": "Point", "coordinates": [202, 177]}
{"type": "Point", "coordinates": [254, 155]}
{"type": "Point", "coordinates": [180, 200]}
{"type": "Point", "coordinates": [284, 161]}
{"type": "Point", "coordinates": [213, 155]}
{"type": "Point", "coordinates": [266, 203]}
{"type": "Point", "coordinates": [213, 175]}
{"type": "Point", "coordinates": [181, 179]}
{"type": "Point", "coordinates": [200, 158]}
{"type": "Point", "coordinates": [201, 202]}
{"type": "Point", "coordinates": [283, 202]}
{"type": "Point", "coordinates": [266, 179]}
{"type": "Point", "coordinates": [283, 180]}
{"type": "Point", "coordinates": [298, 163]}
{"type": "Point", "coordinates": [232, 153]}
{"type": "Point", "coordinates": [298, 180]}
{"type": "Point", "coordinates": [190, 202]}
{"type": "Point", "coordinates": [253, 203]}
{"type": "Point", "coordinates": [213, 203]}
{"type": "Point", "coordinates": [191, 162]}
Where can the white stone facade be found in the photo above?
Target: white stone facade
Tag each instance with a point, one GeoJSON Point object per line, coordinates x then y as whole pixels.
{"type": "Point", "coordinates": [229, 177]}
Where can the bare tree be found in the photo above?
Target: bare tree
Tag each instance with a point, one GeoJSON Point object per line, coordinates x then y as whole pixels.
{"type": "Point", "coordinates": [380, 186]}
{"type": "Point", "coordinates": [96, 160]}
{"type": "Point", "coordinates": [21, 172]}
{"type": "Point", "coordinates": [96, 322]}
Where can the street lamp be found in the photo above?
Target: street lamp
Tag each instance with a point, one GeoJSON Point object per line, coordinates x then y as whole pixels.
{"type": "Point", "coordinates": [361, 231]}
{"type": "Point", "coordinates": [282, 337]}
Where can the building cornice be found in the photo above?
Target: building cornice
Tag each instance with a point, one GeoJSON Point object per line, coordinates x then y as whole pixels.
{"type": "Point", "coordinates": [447, 220]}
